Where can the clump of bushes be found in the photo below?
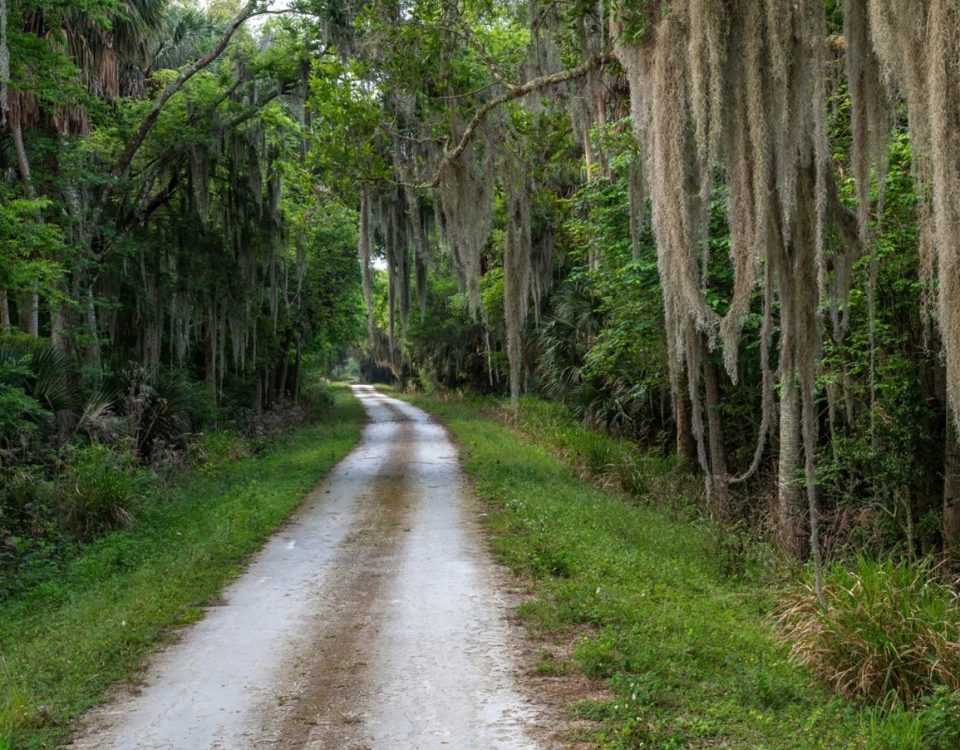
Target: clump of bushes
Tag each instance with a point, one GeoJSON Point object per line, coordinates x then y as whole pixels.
{"type": "Point", "coordinates": [315, 397]}
{"type": "Point", "coordinates": [313, 401]}
{"type": "Point", "coordinates": [99, 489]}
{"type": "Point", "coordinates": [889, 632]}
{"type": "Point", "coordinates": [215, 447]}
{"type": "Point", "coordinates": [26, 500]}
{"type": "Point", "coordinates": [81, 457]}
{"type": "Point", "coordinates": [46, 509]}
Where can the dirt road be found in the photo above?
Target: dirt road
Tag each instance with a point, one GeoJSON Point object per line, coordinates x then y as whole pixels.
{"type": "Point", "coordinates": [372, 620]}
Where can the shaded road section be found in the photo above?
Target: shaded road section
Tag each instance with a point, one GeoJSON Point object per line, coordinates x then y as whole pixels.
{"type": "Point", "coordinates": [372, 620]}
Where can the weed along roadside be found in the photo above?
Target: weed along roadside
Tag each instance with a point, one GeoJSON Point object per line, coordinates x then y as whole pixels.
{"type": "Point", "coordinates": [65, 640]}
{"type": "Point", "coordinates": [641, 598]}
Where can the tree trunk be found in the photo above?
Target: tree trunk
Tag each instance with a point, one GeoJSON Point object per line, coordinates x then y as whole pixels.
{"type": "Point", "coordinates": [282, 377]}
{"type": "Point", "coordinates": [588, 155]}
{"type": "Point", "coordinates": [951, 489]}
{"type": "Point", "coordinates": [210, 355]}
{"type": "Point", "coordinates": [23, 162]}
{"type": "Point", "coordinates": [296, 375]}
{"type": "Point", "coordinates": [30, 313]}
{"type": "Point", "coordinates": [718, 456]}
{"type": "Point", "coordinates": [685, 448]}
{"type": "Point", "coordinates": [4, 312]}
{"type": "Point", "coordinates": [284, 365]}
{"type": "Point", "coordinates": [791, 506]}
{"type": "Point", "coordinates": [58, 326]}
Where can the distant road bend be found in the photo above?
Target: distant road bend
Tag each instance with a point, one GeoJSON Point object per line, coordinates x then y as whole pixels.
{"type": "Point", "coordinates": [372, 620]}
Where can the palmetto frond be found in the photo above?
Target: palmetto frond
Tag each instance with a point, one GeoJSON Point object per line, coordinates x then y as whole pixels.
{"type": "Point", "coordinates": [184, 35]}
{"type": "Point", "coordinates": [107, 51]}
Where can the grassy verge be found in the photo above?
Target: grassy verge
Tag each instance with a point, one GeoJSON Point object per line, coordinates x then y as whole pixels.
{"type": "Point", "coordinates": [688, 651]}
{"type": "Point", "coordinates": [67, 639]}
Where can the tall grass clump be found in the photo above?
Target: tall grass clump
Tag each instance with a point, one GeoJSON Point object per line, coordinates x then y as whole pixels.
{"type": "Point", "coordinates": [890, 631]}
{"type": "Point", "coordinates": [99, 489]}
{"type": "Point", "coordinates": [933, 724]}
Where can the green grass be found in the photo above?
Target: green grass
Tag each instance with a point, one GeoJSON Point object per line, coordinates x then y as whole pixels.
{"type": "Point", "coordinates": [688, 651]}
{"type": "Point", "coordinates": [67, 639]}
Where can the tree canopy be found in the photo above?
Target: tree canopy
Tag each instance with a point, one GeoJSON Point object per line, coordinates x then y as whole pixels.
{"type": "Point", "coordinates": [729, 229]}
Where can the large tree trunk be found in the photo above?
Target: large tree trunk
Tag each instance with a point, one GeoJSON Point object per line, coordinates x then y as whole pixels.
{"type": "Point", "coordinates": [58, 326]}
{"type": "Point", "coordinates": [30, 313]}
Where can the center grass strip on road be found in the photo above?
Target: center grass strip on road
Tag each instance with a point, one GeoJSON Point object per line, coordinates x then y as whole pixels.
{"type": "Point", "coordinates": [688, 654]}
{"type": "Point", "coordinates": [71, 638]}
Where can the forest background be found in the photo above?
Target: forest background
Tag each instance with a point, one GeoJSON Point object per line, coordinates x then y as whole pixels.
{"type": "Point", "coordinates": [727, 232]}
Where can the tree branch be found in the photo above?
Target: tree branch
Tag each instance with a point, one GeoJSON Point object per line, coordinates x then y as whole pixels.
{"type": "Point", "coordinates": [146, 125]}
{"type": "Point", "coordinates": [162, 197]}
{"type": "Point", "coordinates": [845, 219]}
{"type": "Point", "coordinates": [254, 109]}
{"type": "Point", "coordinates": [535, 84]}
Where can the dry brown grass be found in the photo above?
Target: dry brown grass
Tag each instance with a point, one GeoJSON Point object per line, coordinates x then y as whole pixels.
{"type": "Point", "coordinates": [889, 631]}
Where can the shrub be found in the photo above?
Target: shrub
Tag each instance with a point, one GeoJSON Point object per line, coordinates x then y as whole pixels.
{"type": "Point", "coordinates": [25, 499]}
{"type": "Point", "coordinates": [154, 407]}
{"type": "Point", "coordinates": [271, 423]}
{"type": "Point", "coordinates": [19, 415]}
{"type": "Point", "coordinates": [315, 396]}
{"type": "Point", "coordinates": [890, 631]}
{"type": "Point", "coordinates": [217, 447]}
{"type": "Point", "coordinates": [35, 384]}
{"type": "Point", "coordinates": [98, 491]}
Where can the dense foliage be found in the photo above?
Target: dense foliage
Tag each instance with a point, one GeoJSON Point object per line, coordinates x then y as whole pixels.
{"type": "Point", "coordinates": [723, 229]}
{"type": "Point", "coordinates": [170, 257]}
{"type": "Point", "coordinates": [761, 334]}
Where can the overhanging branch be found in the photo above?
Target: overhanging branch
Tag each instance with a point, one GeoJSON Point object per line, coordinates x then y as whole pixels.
{"type": "Point", "coordinates": [535, 84]}
{"type": "Point", "coordinates": [123, 163]}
